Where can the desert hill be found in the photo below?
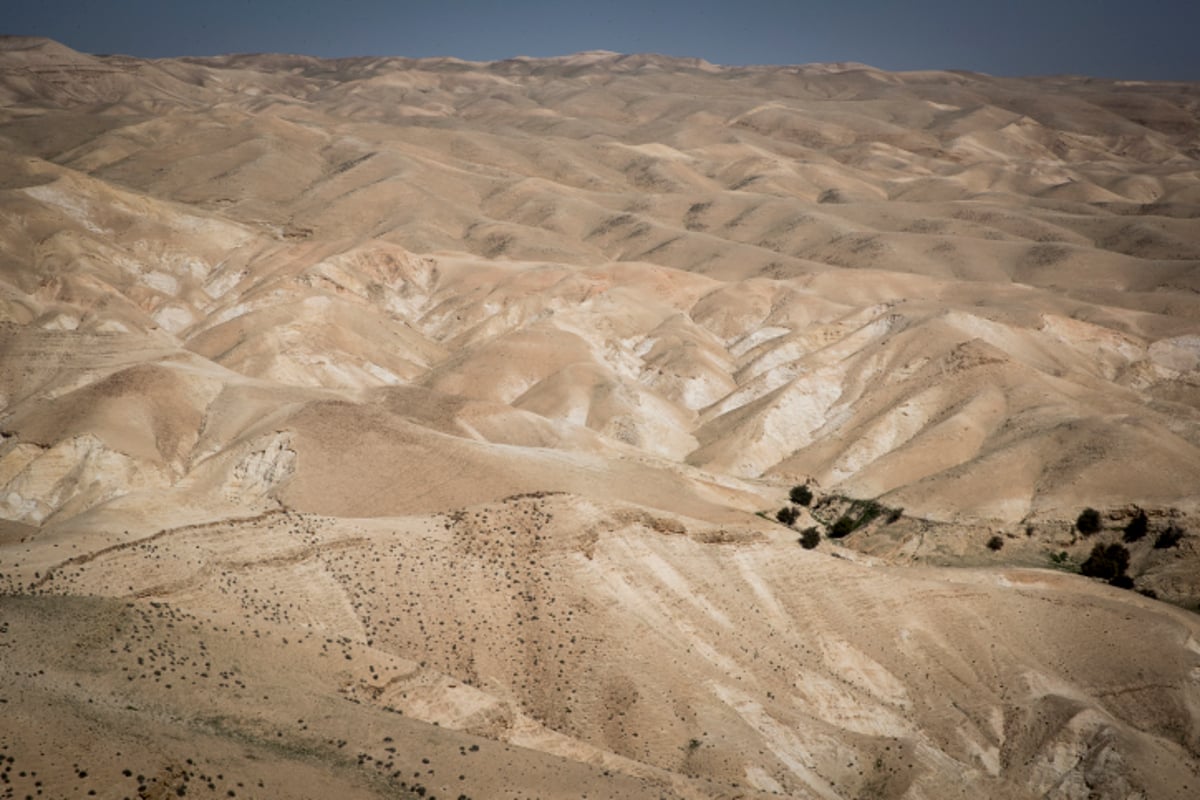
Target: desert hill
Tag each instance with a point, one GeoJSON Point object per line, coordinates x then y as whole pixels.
{"type": "Point", "coordinates": [445, 406]}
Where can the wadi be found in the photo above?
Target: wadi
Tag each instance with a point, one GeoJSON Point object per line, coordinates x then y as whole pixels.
{"type": "Point", "coordinates": [597, 426]}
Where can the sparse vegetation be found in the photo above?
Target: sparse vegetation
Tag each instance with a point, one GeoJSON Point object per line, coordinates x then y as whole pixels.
{"type": "Point", "coordinates": [1088, 522]}
{"type": "Point", "coordinates": [810, 538]}
{"type": "Point", "coordinates": [801, 495]}
{"type": "Point", "coordinates": [787, 515]}
{"type": "Point", "coordinates": [995, 543]}
{"type": "Point", "coordinates": [859, 514]}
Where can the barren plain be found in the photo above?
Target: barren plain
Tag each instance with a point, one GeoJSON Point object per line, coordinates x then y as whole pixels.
{"type": "Point", "coordinates": [381, 427]}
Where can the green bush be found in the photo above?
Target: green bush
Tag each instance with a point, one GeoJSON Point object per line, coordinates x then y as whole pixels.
{"type": "Point", "coordinates": [801, 495]}
{"type": "Point", "coordinates": [843, 527]}
{"type": "Point", "coordinates": [1137, 527]}
{"type": "Point", "coordinates": [1088, 521]}
{"type": "Point", "coordinates": [787, 515]}
{"type": "Point", "coordinates": [810, 538]}
{"type": "Point", "coordinates": [1107, 561]}
{"type": "Point", "coordinates": [1168, 538]}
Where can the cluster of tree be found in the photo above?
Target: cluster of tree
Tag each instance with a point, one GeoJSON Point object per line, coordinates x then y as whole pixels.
{"type": "Point", "coordinates": [1110, 562]}
{"type": "Point", "coordinates": [800, 496]}
{"type": "Point", "coordinates": [860, 514]}
{"type": "Point", "coordinates": [1135, 530]}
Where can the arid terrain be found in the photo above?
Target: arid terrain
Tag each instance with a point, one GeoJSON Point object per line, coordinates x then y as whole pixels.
{"type": "Point", "coordinates": [416, 428]}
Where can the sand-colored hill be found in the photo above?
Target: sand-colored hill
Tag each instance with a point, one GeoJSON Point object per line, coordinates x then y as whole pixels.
{"type": "Point", "coordinates": [392, 427]}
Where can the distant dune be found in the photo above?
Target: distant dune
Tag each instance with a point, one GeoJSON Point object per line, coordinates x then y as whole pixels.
{"type": "Point", "coordinates": [386, 427]}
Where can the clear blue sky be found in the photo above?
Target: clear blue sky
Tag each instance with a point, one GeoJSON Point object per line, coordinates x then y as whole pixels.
{"type": "Point", "coordinates": [1146, 39]}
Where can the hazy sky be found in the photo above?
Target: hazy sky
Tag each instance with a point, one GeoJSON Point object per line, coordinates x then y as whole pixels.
{"type": "Point", "coordinates": [1145, 39]}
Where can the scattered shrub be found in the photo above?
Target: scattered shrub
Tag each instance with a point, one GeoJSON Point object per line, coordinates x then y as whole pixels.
{"type": "Point", "coordinates": [1153, 595]}
{"type": "Point", "coordinates": [810, 538]}
{"type": "Point", "coordinates": [787, 515]}
{"type": "Point", "coordinates": [1107, 561]}
{"type": "Point", "coordinates": [1121, 582]}
{"type": "Point", "coordinates": [1088, 521]}
{"type": "Point", "coordinates": [894, 515]}
{"type": "Point", "coordinates": [1060, 558]}
{"type": "Point", "coordinates": [1137, 527]}
{"type": "Point", "coordinates": [841, 528]}
{"type": "Point", "coordinates": [995, 543]}
{"type": "Point", "coordinates": [1168, 538]}
{"type": "Point", "coordinates": [801, 495]}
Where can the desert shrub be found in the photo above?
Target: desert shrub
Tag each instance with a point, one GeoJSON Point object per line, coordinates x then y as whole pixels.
{"type": "Point", "coordinates": [1060, 558]}
{"type": "Point", "coordinates": [841, 528]}
{"type": "Point", "coordinates": [1168, 538]}
{"type": "Point", "coordinates": [1088, 521]}
{"type": "Point", "coordinates": [1153, 595]}
{"type": "Point", "coordinates": [810, 538]}
{"type": "Point", "coordinates": [1121, 582]}
{"type": "Point", "coordinates": [894, 514]}
{"type": "Point", "coordinates": [787, 515]}
{"type": "Point", "coordinates": [1107, 561]}
{"type": "Point", "coordinates": [801, 495]}
{"type": "Point", "coordinates": [995, 543]}
{"type": "Point", "coordinates": [1136, 528]}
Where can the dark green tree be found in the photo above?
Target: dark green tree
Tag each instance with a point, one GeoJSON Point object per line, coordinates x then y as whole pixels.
{"type": "Point", "coordinates": [1137, 527]}
{"type": "Point", "coordinates": [801, 495]}
{"type": "Point", "coordinates": [1107, 561]}
{"type": "Point", "coordinates": [1088, 521]}
{"type": "Point", "coordinates": [841, 528]}
{"type": "Point", "coordinates": [810, 538]}
{"type": "Point", "coordinates": [1168, 538]}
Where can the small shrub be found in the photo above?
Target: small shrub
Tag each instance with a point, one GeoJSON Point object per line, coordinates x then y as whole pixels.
{"type": "Point", "coordinates": [1137, 527]}
{"type": "Point", "coordinates": [841, 528]}
{"type": "Point", "coordinates": [1153, 595]}
{"type": "Point", "coordinates": [1121, 582]}
{"type": "Point", "coordinates": [810, 538]}
{"type": "Point", "coordinates": [801, 495]}
{"type": "Point", "coordinates": [894, 515]}
{"type": "Point", "coordinates": [1168, 538]}
{"type": "Point", "coordinates": [1107, 561]}
{"type": "Point", "coordinates": [995, 543]}
{"type": "Point", "coordinates": [787, 515]}
{"type": "Point", "coordinates": [1088, 521]}
{"type": "Point", "coordinates": [1060, 558]}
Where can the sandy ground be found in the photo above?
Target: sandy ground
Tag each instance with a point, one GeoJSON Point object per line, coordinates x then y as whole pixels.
{"type": "Point", "coordinates": [380, 427]}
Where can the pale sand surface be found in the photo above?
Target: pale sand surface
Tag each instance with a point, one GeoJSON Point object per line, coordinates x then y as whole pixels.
{"type": "Point", "coordinates": [392, 428]}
